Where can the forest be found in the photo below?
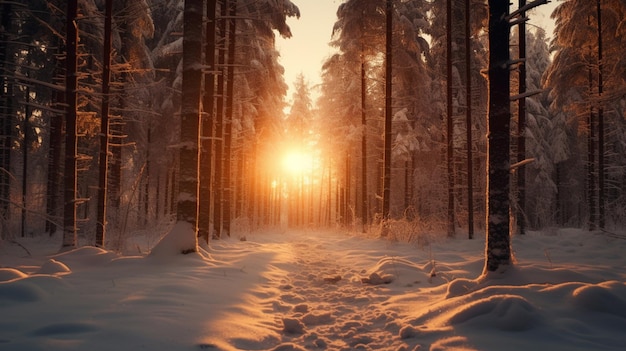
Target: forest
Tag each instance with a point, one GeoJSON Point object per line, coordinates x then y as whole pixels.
{"type": "Point", "coordinates": [118, 116]}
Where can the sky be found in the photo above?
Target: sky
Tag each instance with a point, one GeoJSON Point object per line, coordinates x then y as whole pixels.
{"type": "Point", "coordinates": [306, 51]}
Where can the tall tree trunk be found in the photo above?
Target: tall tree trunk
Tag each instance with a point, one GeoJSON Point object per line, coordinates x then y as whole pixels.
{"type": "Point", "coordinates": [219, 124]}
{"type": "Point", "coordinates": [468, 120]}
{"type": "Point", "coordinates": [591, 152]}
{"type": "Point", "coordinates": [388, 112]}
{"type": "Point", "coordinates": [364, 218]}
{"type": "Point", "coordinates": [6, 111]}
{"type": "Point", "coordinates": [25, 145]}
{"type": "Point", "coordinates": [228, 127]}
{"type": "Point", "coordinates": [187, 203]}
{"type": "Point", "coordinates": [54, 167]}
{"type": "Point", "coordinates": [449, 126]}
{"type": "Point", "coordinates": [103, 168]}
{"type": "Point", "coordinates": [71, 83]}
{"type": "Point", "coordinates": [601, 190]}
{"type": "Point", "coordinates": [521, 126]}
{"type": "Point", "coordinates": [206, 159]}
{"type": "Point", "coordinates": [498, 250]}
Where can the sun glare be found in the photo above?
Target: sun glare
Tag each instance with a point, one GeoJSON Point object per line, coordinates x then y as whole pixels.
{"type": "Point", "coordinates": [297, 162]}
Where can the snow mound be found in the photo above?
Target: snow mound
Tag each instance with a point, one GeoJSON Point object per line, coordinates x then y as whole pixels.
{"type": "Point", "coordinates": [178, 241]}
{"type": "Point", "coordinates": [607, 297]}
{"type": "Point", "coordinates": [20, 291]}
{"type": "Point", "coordinates": [85, 256]}
{"type": "Point", "coordinates": [504, 312]}
{"type": "Point", "coordinates": [394, 270]}
{"type": "Point", "coordinates": [7, 274]}
{"type": "Point", "coordinates": [53, 267]}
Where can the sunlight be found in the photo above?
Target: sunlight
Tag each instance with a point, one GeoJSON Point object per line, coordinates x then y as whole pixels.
{"type": "Point", "coordinates": [297, 162]}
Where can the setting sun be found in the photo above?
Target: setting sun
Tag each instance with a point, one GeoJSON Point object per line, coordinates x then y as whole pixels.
{"type": "Point", "coordinates": [297, 162]}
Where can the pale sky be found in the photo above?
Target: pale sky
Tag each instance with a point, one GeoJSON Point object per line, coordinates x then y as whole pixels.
{"type": "Point", "coordinates": [308, 48]}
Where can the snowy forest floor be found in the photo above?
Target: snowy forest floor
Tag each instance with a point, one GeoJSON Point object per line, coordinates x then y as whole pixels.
{"type": "Point", "coordinates": [316, 290]}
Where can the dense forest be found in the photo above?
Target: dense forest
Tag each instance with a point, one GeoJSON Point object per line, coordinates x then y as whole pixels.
{"type": "Point", "coordinates": [119, 116]}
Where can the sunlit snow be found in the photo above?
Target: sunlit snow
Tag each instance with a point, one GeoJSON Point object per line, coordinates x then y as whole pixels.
{"type": "Point", "coordinates": [309, 290]}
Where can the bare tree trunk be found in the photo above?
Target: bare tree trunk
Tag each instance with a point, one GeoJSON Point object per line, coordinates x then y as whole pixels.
{"type": "Point", "coordinates": [449, 127]}
{"type": "Point", "coordinates": [26, 143]}
{"type": "Point", "coordinates": [71, 83]}
{"type": "Point", "coordinates": [388, 112]}
{"type": "Point", "coordinates": [521, 127]}
{"type": "Point", "coordinates": [498, 251]}
{"type": "Point", "coordinates": [6, 112]}
{"type": "Point", "coordinates": [219, 125]}
{"type": "Point", "coordinates": [206, 159]}
{"type": "Point", "coordinates": [468, 120]}
{"type": "Point", "coordinates": [103, 169]}
{"type": "Point", "coordinates": [601, 190]}
{"type": "Point", "coordinates": [364, 218]}
{"type": "Point", "coordinates": [228, 128]}
{"type": "Point", "coordinates": [187, 202]}
{"type": "Point", "coordinates": [591, 158]}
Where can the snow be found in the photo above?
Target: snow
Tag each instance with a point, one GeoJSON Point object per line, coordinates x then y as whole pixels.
{"type": "Point", "coordinates": [315, 290]}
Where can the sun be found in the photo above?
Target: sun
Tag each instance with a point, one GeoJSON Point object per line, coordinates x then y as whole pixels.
{"type": "Point", "coordinates": [297, 162]}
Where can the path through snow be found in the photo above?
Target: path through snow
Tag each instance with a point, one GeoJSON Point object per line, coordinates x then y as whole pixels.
{"type": "Point", "coordinates": [324, 303]}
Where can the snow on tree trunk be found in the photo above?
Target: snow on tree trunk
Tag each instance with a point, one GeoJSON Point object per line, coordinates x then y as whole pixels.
{"type": "Point", "coordinates": [498, 246]}
{"type": "Point", "coordinates": [187, 211]}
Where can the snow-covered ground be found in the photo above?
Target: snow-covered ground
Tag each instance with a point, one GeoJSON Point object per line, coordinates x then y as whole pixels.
{"type": "Point", "coordinates": [317, 290]}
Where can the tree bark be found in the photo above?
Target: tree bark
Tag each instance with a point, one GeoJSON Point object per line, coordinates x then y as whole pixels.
{"type": "Point", "coordinates": [71, 83]}
{"type": "Point", "coordinates": [388, 112]}
{"type": "Point", "coordinates": [468, 121]}
{"type": "Point", "coordinates": [206, 153]}
{"type": "Point", "coordinates": [449, 126]}
{"type": "Point", "coordinates": [498, 246]}
{"type": "Point", "coordinates": [219, 125]}
{"type": "Point", "coordinates": [103, 169]}
{"type": "Point", "coordinates": [230, 115]}
{"type": "Point", "coordinates": [187, 209]}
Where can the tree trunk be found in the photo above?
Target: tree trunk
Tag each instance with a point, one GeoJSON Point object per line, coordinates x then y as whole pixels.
{"type": "Point", "coordinates": [187, 202]}
{"type": "Point", "coordinates": [219, 125]}
{"type": "Point", "coordinates": [230, 115]}
{"type": "Point", "coordinates": [601, 190]}
{"type": "Point", "coordinates": [591, 159]}
{"type": "Point", "coordinates": [103, 169]}
{"type": "Point", "coordinates": [388, 113]}
{"type": "Point", "coordinates": [449, 127]}
{"type": "Point", "coordinates": [206, 159]}
{"type": "Point", "coordinates": [521, 128]}
{"type": "Point", "coordinates": [364, 218]}
{"type": "Point", "coordinates": [468, 121]}
{"type": "Point", "coordinates": [498, 250]}
{"type": "Point", "coordinates": [71, 83]}
{"type": "Point", "coordinates": [6, 112]}
{"type": "Point", "coordinates": [25, 145]}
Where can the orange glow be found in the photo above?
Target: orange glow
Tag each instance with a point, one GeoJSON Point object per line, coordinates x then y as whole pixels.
{"type": "Point", "coordinates": [297, 162]}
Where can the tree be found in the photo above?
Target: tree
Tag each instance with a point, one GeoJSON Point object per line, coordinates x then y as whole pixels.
{"type": "Point", "coordinates": [71, 85]}
{"type": "Point", "coordinates": [388, 112]}
{"type": "Point", "coordinates": [104, 127]}
{"type": "Point", "coordinates": [299, 124]}
{"type": "Point", "coordinates": [6, 109]}
{"type": "Point", "coordinates": [187, 207]}
{"type": "Point", "coordinates": [581, 88]}
{"type": "Point", "coordinates": [498, 251]}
